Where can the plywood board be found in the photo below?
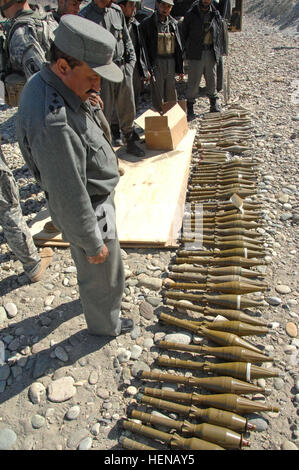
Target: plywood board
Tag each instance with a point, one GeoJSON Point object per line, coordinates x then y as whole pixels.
{"type": "Point", "coordinates": [149, 199]}
{"type": "Point", "coordinates": [150, 196]}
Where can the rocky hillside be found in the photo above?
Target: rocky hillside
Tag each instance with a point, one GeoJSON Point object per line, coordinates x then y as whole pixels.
{"type": "Point", "coordinates": [283, 13]}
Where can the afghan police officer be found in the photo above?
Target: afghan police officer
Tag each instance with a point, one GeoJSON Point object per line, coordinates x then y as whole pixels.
{"type": "Point", "coordinates": [66, 7]}
{"type": "Point", "coordinates": [69, 155]}
{"type": "Point", "coordinates": [164, 49]}
{"type": "Point", "coordinates": [117, 96]}
{"type": "Point", "coordinates": [202, 30]}
{"type": "Point", "coordinates": [15, 229]}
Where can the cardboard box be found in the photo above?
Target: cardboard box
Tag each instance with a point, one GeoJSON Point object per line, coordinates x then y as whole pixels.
{"type": "Point", "coordinates": [164, 132]}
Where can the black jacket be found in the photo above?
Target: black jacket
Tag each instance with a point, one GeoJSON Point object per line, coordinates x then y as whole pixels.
{"type": "Point", "coordinates": [193, 32]}
{"type": "Point", "coordinates": [149, 31]}
{"type": "Point", "coordinates": [141, 60]}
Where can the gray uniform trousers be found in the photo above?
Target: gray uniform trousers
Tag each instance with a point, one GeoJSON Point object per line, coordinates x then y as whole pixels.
{"type": "Point", "coordinates": [165, 81]}
{"type": "Point", "coordinates": [101, 286]}
{"type": "Point", "coordinates": [206, 66]}
{"type": "Point", "coordinates": [14, 226]}
{"type": "Point", "coordinates": [119, 98]}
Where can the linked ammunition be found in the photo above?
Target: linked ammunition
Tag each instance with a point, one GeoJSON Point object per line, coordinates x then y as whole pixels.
{"type": "Point", "coordinates": [224, 401]}
{"type": "Point", "coordinates": [174, 440]}
{"type": "Point", "coordinates": [230, 353]}
{"type": "Point", "coordinates": [239, 370]}
{"type": "Point", "coordinates": [209, 432]}
{"type": "Point", "coordinates": [215, 416]}
{"type": "Point", "coordinates": [214, 384]}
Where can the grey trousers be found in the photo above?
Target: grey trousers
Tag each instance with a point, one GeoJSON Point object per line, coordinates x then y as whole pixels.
{"type": "Point", "coordinates": [165, 82]}
{"type": "Point", "coordinates": [15, 228]}
{"type": "Point", "coordinates": [206, 66]}
{"type": "Point", "coordinates": [101, 288]}
{"type": "Point", "coordinates": [119, 98]}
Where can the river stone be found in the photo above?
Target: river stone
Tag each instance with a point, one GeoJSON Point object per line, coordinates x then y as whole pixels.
{"type": "Point", "coordinates": [291, 329]}
{"type": "Point", "coordinates": [85, 444]}
{"type": "Point", "coordinates": [61, 354]}
{"type": "Point", "coordinates": [75, 438]}
{"type": "Point", "coordinates": [260, 423]}
{"type": "Point", "coordinates": [146, 310]}
{"type": "Point", "coordinates": [73, 412]}
{"type": "Point", "coordinates": [3, 315]}
{"type": "Point", "coordinates": [4, 371]}
{"type": "Point", "coordinates": [136, 351]}
{"type": "Point", "coordinates": [283, 289]}
{"type": "Point", "coordinates": [61, 389]}
{"type": "Point", "coordinates": [273, 301]}
{"type": "Point", "coordinates": [278, 383]}
{"type": "Point", "coordinates": [7, 438]}
{"type": "Point", "coordinates": [152, 283]}
{"type": "Point", "coordinates": [183, 338]}
{"type": "Point", "coordinates": [139, 366]}
{"type": "Point", "coordinates": [37, 392]}
{"type": "Point", "coordinates": [2, 353]}
{"type": "Point", "coordinates": [93, 377]}
{"type": "Point", "coordinates": [123, 355]}
{"type": "Point", "coordinates": [288, 445]}
{"type": "Point", "coordinates": [37, 421]}
{"type": "Point", "coordinates": [11, 309]}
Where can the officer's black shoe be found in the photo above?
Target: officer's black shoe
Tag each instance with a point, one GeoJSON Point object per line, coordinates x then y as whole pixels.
{"type": "Point", "coordinates": [214, 105]}
{"type": "Point", "coordinates": [135, 135]}
{"type": "Point", "coordinates": [116, 136]}
{"type": "Point", "coordinates": [127, 325]}
{"type": "Point", "coordinates": [190, 112]}
{"type": "Point", "coordinates": [133, 149]}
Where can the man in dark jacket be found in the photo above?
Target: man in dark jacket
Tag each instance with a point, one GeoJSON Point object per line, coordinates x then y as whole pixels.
{"type": "Point", "coordinates": [202, 31]}
{"type": "Point", "coordinates": [164, 50]}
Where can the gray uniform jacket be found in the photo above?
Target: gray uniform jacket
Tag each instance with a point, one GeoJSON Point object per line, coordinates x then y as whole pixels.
{"type": "Point", "coordinates": [65, 147]}
{"type": "Point", "coordinates": [113, 20]}
{"type": "Point", "coordinates": [27, 52]}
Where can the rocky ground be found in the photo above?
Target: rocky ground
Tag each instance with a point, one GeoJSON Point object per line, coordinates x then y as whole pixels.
{"type": "Point", "coordinates": [63, 389]}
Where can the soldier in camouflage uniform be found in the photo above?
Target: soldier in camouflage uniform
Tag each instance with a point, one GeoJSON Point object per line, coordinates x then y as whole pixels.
{"type": "Point", "coordinates": [15, 229]}
{"type": "Point", "coordinates": [27, 50]}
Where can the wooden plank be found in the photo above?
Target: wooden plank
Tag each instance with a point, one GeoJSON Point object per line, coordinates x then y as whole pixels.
{"type": "Point", "coordinates": [150, 196]}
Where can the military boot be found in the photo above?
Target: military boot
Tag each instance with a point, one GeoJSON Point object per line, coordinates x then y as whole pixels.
{"type": "Point", "coordinates": [215, 105]}
{"type": "Point", "coordinates": [116, 137]}
{"type": "Point", "coordinates": [132, 148]}
{"type": "Point", "coordinates": [190, 112]}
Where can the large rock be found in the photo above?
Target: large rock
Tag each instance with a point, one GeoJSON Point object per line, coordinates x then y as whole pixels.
{"type": "Point", "coordinates": [61, 389]}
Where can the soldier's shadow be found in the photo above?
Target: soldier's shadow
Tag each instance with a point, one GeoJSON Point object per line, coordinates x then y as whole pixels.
{"type": "Point", "coordinates": [44, 363]}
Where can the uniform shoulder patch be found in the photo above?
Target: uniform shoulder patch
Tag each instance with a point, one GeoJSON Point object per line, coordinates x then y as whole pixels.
{"type": "Point", "coordinates": [55, 112]}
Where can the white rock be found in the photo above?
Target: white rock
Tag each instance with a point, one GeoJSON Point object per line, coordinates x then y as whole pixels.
{"type": "Point", "coordinates": [61, 389]}
{"type": "Point", "coordinates": [37, 392]}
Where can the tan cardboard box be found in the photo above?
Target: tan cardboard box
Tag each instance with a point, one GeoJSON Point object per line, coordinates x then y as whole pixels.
{"type": "Point", "coordinates": [164, 132]}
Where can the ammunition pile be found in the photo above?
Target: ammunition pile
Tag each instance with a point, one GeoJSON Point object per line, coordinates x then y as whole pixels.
{"type": "Point", "coordinates": [209, 288]}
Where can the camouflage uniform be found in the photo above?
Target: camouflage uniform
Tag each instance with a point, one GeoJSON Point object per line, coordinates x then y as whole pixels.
{"type": "Point", "coordinates": [27, 52]}
{"type": "Point", "coordinates": [15, 229]}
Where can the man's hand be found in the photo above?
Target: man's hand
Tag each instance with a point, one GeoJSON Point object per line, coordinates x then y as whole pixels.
{"type": "Point", "coordinates": [95, 100]}
{"type": "Point", "coordinates": [181, 77]}
{"type": "Point", "coordinates": [100, 257]}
